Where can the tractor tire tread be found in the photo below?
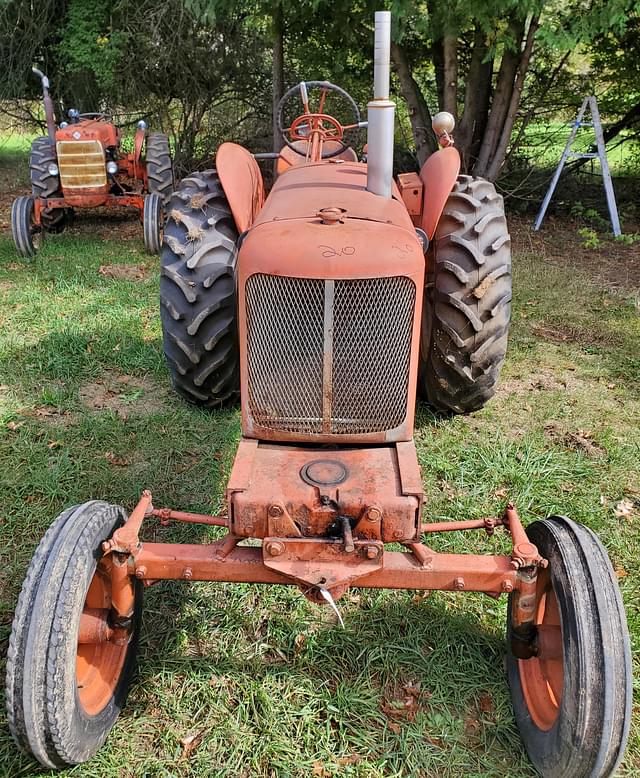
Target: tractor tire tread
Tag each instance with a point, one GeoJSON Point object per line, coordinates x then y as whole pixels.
{"type": "Point", "coordinates": [43, 184]}
{"type": "Point", "coordinates": [159, 165]}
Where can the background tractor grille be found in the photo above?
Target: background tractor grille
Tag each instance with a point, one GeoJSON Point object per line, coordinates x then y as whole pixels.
{"type": "Point", "coordinates": [81, 164]}
{"type": "Point", "coordinates": [328, 356]}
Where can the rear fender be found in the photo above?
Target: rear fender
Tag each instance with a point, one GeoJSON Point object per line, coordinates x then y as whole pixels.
{"type": "Point", "coordinates": [137, 152]}
{"type": "Point", "coordinates": [438, 176]}
{"type": "Point", "coordinates": [242, 182]}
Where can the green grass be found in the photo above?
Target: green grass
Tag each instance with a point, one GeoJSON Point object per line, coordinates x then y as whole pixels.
{"type": "Point", "coordinates": [262, 678]}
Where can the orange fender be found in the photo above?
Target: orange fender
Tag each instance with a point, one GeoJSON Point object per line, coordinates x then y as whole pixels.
{"type": "Point", "coordinates": [438, 175]}
{"type": "Point", "coordinates": [242, 182]}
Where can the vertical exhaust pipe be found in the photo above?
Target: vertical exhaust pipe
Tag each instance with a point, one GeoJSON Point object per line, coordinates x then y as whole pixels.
{"type": "Point", "coordinates": [381, 113]}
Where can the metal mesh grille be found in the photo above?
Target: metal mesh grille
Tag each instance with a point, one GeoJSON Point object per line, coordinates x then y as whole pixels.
{"type": "Point", "coordinates": [373, 319]}
{"type": "Point", "coordinates": [366, 324]}
{"type": "Point", "coordinates": [284, 344]}
{"type": "Point", "coordinates": [81, 164]}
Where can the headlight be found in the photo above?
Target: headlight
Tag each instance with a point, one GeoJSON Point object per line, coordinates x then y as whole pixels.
{"type": "Point", "coordinates": [142, 125]}
{"type": "Point", "coordinates": [63, 125]}
{"type": "Point", "coordinates": [112, 167]}
{"type": "Point", "coordinates": [52, 169]}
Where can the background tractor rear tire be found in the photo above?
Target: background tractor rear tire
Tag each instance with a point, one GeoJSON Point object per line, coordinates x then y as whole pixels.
{"type": "Point", "coordinates": [159, 165]}
{"type": "Point", "coordinates": [25, 234]}
{"type": "Point", "coordinates": [152, 220]}
{"type": "Point", "coordinates": [43, 184]}
{"type": "Point", "coordinates": [198, 292]}
{"type": "Point", "coordinates": [46, 715]}
{"type": "Point", "coordinates": [583, 733]}
{"type": "Point", "coordinates": [467, 303]}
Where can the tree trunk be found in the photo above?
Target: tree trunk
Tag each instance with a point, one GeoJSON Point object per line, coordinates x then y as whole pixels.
{"type": "Point", "coordinates": [277, 70]}
{"type": "Point", "coordinates": [450, 75]}
{"type": "Point", "coordinates": [501, 148]}
{"type": "Point", "coordinates": [419, 113]}
{"type": "Point", "coordinates": [477, 97]}
{"type": "Point", "coordinates": [502, 96]}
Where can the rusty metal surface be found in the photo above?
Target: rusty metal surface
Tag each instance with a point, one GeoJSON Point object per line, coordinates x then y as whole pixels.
{"type": "Point", "coordinates": [289, 158]}
{"type": "Point", "coordinates": [411, 188]}
{"type": "Point", "coordinates": [270, 492]}
{"type": "Point", "coordinates": [166, 515]}
{"type": "Point", "coordinates": [242, 182]}
{"type": "Point", "coordinates": [91, 198]}
{"type": "Point", "coordinates": [438, 174]}
{"type": "Point", "coordinates": [399, 571]}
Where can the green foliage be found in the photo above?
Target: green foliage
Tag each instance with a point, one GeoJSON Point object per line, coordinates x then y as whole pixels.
{"type": "Point", "coordinates": [590, 238]}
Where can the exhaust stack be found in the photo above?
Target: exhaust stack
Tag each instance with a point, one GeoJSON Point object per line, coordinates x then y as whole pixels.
{"type": "Point", "coordinates": [381, 113]}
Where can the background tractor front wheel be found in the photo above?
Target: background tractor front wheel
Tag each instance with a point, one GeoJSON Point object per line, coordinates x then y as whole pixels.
{"type": "Point", "coordinates": [26, 234]}
{"type": "Point", "coordinates": [152, 220]}
{"type": "Point", "coordinates": [198, 292]}
{"type": "Point", "coordinates": [65, 693]}
{"type": "Point", "coordinates": [467, 302]}
{"type": "Point", "coordinates": [572, 701]}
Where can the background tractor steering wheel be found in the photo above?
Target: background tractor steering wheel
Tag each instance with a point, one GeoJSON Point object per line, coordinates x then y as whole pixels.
{"type": "Point", "coordinates": [92, 115]}
{"type": "Point", "coordinates": [319, 124]}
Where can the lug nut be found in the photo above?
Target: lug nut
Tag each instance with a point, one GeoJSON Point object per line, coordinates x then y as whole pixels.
{"type": "Point", "coordinates": [275, 511]}
{"type": "Point", "coordinates": [187, 573]}
{"type": "Point", "coordinates": [141, 571]}
{"type": "Point", "coordinates": [275, 549]}
{"type": "Point", "coordinates": [458, 583]}
{"type": "Point", "coordinates": [507, 586]}
{"type": "Point", "coordinates": [372, 552]}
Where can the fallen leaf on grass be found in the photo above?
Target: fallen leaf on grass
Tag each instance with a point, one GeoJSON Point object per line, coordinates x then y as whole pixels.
{"type": "Point", "coordinates": [14, 425]}
{"type": "Point", "coordinates": [620, 572]}
{"type": "Point", "coordinates": [351, 759]}
{"type": "Point", "coordinates": [485, 703]}
{"type": "Point", "coordinates": [112, 459]}
{"type": "Point", "coordinates": [189, 744]}
{"type": "Point", "coordinates": [55, 443]}
{"type": "Point", "coordinates": [299, 643]}
{"type": "Point", "coordinates": [624, 510]}
{"type": "Point", "coordinates": [318, 770]}
{"type": "Point", "coordinates": [394, 727]}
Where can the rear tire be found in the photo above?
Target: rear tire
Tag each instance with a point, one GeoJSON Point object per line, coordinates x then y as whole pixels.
{"type": "Point", "coordinates": [47, 712]}
{"type": "Point", "coordinates": [26, 235]}
{"type": "Point", "coordinates": [467, 302]}
{"type": "Point", "coordinates": [43, 184]}
{"type": "Point", "coordinates": [573, 706]}
{"type": "Point", "coordinates": [152, 220]}
{"type": "Point", "coordinates": [159, 165]}
{"type": "Point", "coordinates": [198, 292]}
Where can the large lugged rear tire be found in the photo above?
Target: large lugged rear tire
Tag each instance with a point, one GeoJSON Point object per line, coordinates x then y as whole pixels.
{"type": "Point", "coordinates": [64, 695]}
{"type": "Point", "coordinates": [572, 700]}
{"type": "Point", "coordinates": [467, 303]}
{"type": "Point", "coordinates": [159, 165]}
{"type": "Point", "coordinates": [198, 292]}
{"type": "Point", "coordinates": [43, 184]}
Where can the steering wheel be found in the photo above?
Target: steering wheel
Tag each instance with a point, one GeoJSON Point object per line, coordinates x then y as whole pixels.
{"type": "Point", "coordinates": [316, 128]}
{"type": "Point", "coordinates": [92, 115]}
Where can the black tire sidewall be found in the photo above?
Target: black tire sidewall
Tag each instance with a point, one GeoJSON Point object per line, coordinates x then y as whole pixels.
{"type": "Point", "coordinates": [21, 217]}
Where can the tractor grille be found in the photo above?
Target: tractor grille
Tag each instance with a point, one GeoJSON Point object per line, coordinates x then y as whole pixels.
{"type": "Point", "coordinates": [329, 357]}
{"type": "Point", "coordinates": [81, 164]}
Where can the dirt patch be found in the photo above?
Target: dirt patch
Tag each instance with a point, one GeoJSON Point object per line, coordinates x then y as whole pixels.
{"type": "Point", "coordinates": [612, 264]}
{"type": "Point", "coordinates": [577, 440]}
{"type": "Point", "coordinates": [123, 394]}
{"type": "Point", "coordinates": [561, 334]}
{"type": "Point", "coordinates": [545, 380]}
{"type": "Point", "coordinates": [124, 272]}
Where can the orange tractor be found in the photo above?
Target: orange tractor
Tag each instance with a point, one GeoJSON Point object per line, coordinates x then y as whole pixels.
{"type": "Point", "coordinates": [328, 304]}
{"type": "Point", "coordinates": [81, 164]}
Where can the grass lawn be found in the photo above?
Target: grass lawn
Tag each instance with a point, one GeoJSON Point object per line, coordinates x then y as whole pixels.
{"type": "Point", "coordinates": [237, 680]}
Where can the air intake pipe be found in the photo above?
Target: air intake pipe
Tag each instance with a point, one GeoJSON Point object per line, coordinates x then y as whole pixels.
{"type": "Point", "coordinates": [381, 113]}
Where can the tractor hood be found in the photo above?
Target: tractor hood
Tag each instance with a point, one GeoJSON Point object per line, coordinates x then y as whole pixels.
{"type": "Point", "coordinates": [305, 190]}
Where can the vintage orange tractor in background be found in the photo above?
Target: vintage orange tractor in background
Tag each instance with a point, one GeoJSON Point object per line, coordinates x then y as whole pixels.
{"type": "Point", "coordinates": [81, 164]}
{"type": "Point", "coordinates": [328, 304]}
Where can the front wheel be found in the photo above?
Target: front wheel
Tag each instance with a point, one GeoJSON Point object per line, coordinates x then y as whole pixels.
{"type": "Point", "coordinates": [572, 699]}
{"type": "Point", "coordinates": [68, 672]}
{"type": "Point", "coordinates": [152, 222]}
{"type": "Point", "coordinates": [26, 234]}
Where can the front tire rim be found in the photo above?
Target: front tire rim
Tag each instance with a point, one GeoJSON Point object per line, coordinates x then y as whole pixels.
{"type": "Point", "coordinates": [542, 676]}
{"type": "Point", "coordinates": [99, 665]}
